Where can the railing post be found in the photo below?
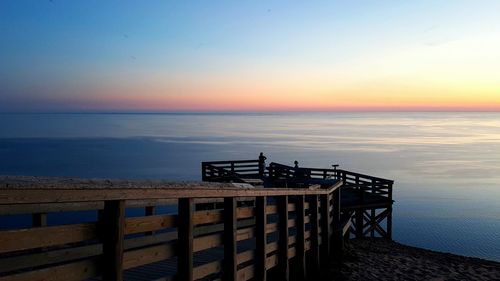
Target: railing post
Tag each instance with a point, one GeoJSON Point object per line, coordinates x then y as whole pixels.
{"type": "Point", "coordinates": [39, 219]}
{"type": "Point", "coordinates": [185, 240]}
{"type": "Point", "coordinates": [203, 171]}
{"type": "Point", "coordinates": [149, 211]}
{"type": "Point", "coordinates": [230, 228]}
{"type": "Point", "coordinates": [283, 263]}
{"type": "Point", "coordinates": [325, 229]}
{"type": "Point", "coordinates": [314, 238]}
{"type": "Point", "coordinates": [261, 238]}
{"type": "Point", "coordinates": [300, 242]}
{"type": "Point", "coordinates": [112, 226]}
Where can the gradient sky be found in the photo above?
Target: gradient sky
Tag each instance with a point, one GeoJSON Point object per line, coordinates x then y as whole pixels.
{"type": "Point", "coordinates": [64, 56]}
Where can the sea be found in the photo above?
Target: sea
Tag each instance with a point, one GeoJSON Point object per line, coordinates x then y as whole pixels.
{"type": "Point", "coordinates": [446, 166]}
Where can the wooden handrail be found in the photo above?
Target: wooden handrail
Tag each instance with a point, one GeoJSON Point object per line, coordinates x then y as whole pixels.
{"type": "Point", "coordinates": [63, 195]}
{"type": "Point", "coordinates": [72, 249]}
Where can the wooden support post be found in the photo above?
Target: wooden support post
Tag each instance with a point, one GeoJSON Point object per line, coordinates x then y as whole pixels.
{"type": "Point", "coordinates": [112, 232]}
{"type": "Point", "coordinates": [283, 263]}
{"type": "Point", "coordinates": [149, 211]}
{"type": "Point", "coordinates": [185, 240]}
{"type": "Point", "coordinates": [359, 223]}
{"type": "Point", "coordinates": [314, 211]}
{"type": "Point", "coordinates": [300, 241]}
{"type": "Point", "coordinates": [389, 223]}
{"type": "Point", "coordinates": [261, 238]}
{"type": "Point", "coordinates": [39, 219]}
{"type": "Point", "coordinates": [325, 229]}
{"type": "Point", "coordinates": [230, 228]}
{"type": "Point", "coordinates": [372, 223]}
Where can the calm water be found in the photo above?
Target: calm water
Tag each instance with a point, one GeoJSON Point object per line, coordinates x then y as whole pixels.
{"type": "Point", "coordinates": [446, 165]}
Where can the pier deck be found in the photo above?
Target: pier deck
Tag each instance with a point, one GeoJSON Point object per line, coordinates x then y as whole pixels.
{"type": "Point", "coordinates": [247, 221]}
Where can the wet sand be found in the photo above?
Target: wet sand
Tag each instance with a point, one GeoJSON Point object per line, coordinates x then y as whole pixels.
{"type": "Point", "coordinates": [378, 259]}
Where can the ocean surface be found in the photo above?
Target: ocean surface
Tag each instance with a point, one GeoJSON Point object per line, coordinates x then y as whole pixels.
{"type": "Point", "coordinates": [446, 166]}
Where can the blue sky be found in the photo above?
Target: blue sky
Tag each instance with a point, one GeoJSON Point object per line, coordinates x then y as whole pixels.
{"type": "Point", "coordinates": [172, 55]}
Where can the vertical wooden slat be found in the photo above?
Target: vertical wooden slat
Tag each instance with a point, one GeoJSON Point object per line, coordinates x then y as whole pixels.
{"type": "Point", "coordinates": [230, 227]}
{"type": "Point", "coordinates": [283, 263]}
{"type": "Point", "coordinates": [372, 223]}
{"type": "Point", "coordinates": [149, 211]}
{"type": "Point", "coordinates": [325, 229]}
{"type": "Point", "coordinates": [359, 223]}
{"type": "Point", "coordinates": [185, 241]}
{"type": "Point", "coordinates": [300, 242]}
{"type": "Point", "coordinates": [112, 231]}
{"type": "Point", "coordinates": [261, 238]}
{"type": "Point", "coordinates": [39, 219]}
{"type": "Point", "coordinates": [314, 211]}
{"type": "Point", "coordinates": [389, 223]}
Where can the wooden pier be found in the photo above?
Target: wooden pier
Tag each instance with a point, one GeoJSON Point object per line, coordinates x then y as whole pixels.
{"type": "Point", "coordinates": [248, 221]}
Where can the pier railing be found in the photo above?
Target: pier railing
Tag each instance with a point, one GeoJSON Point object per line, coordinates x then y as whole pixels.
{"type": "Point", "coordinates": [284, 227]}
{"type": "Point", "coordinates": [362, 183]}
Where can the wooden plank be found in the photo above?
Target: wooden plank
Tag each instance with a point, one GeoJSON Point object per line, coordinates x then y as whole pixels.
{"type": "Point", "coordinates": [245, 273]}
{"type": "Point", "coordinates": [207, 242]}
{"type": "Point", "coordinates": [112, 234]}
{"type": "Point", "coordinates": [23, 239]}
{"type": "Point", "coordinates": [49, 257]}
{"type": "Point", "coordinates": [148, 255]}
{"type": "Point", "coordinates": [314, 213]}
{"type": "Point", "coordinates": [207, 269]}
{"type": "Point", "coordinates": [206, 217]}
{"type": "Point", "coordinates": [41, 195]}
{"type": "Point", "coordinates": [245, 233]}
{"type": "Point", "coordinates": [230, 228]}
{"type": "Point", "coordinates": [300, 237]}
{"type": "Point", "coordinates": [246, 256]}
{"type": "Point", "coordinates": [185, 241]}
{"type": "Point", "coordinates": [284, 270]}
{"type": "Point", "coordinates": [261, 238]}
{"type": "Point", "coordinates": [69, 272]}
{"type": "Point", "coordinates": [149, 223]}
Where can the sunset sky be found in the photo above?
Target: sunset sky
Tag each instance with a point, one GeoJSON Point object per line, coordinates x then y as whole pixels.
{"type": "Point", "coordinates": [162, 56]}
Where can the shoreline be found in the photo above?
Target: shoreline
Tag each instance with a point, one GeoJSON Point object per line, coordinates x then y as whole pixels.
{"type": "Point", "coordinates": [379, 259]}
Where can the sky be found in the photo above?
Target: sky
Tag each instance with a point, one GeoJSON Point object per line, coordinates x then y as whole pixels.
{"type": "Point", "coordinates": [164, 56]}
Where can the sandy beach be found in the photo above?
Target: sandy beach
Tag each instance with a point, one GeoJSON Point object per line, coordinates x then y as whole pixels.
{"type": "Point", "coordinates": [378, 259]}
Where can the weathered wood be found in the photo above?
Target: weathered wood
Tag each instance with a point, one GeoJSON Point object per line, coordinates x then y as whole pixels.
{"type": "Point", "coordinates": [314, 255]}
{"type": "Point", "coordinates": [206, 242]}
{"type": "Point", "coordinates": [149, 223]}
{"type": "Point", "coordinates": [230, 228]}
{"type": "Point", "coordinates": [326, 223]}
{"type": "Point", "coordinates": [207, 269]}
{"type": "Point", "coordinates": [283, 237]}
{"type": "Point", "coordinates": [185, 242]}
{"type": "Point", "coordinates": [23, 239]}
{"type": "Point", "coordinates": [41, 195]}
{"type": "Point", "coordinates": [112, 231]}
{"type": "Point", "coordinates": [300, 238]}
{"type": "Point", "coordinates": [149, 211]}
{"type": "Point", "coordinates": [75, 271]}
{"type": "Point", "coordinates": [147, 255]}
{"type": "Point", "coordinates": [261, 238]}
{"type": "Point", "coordinates": [48, 257]}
